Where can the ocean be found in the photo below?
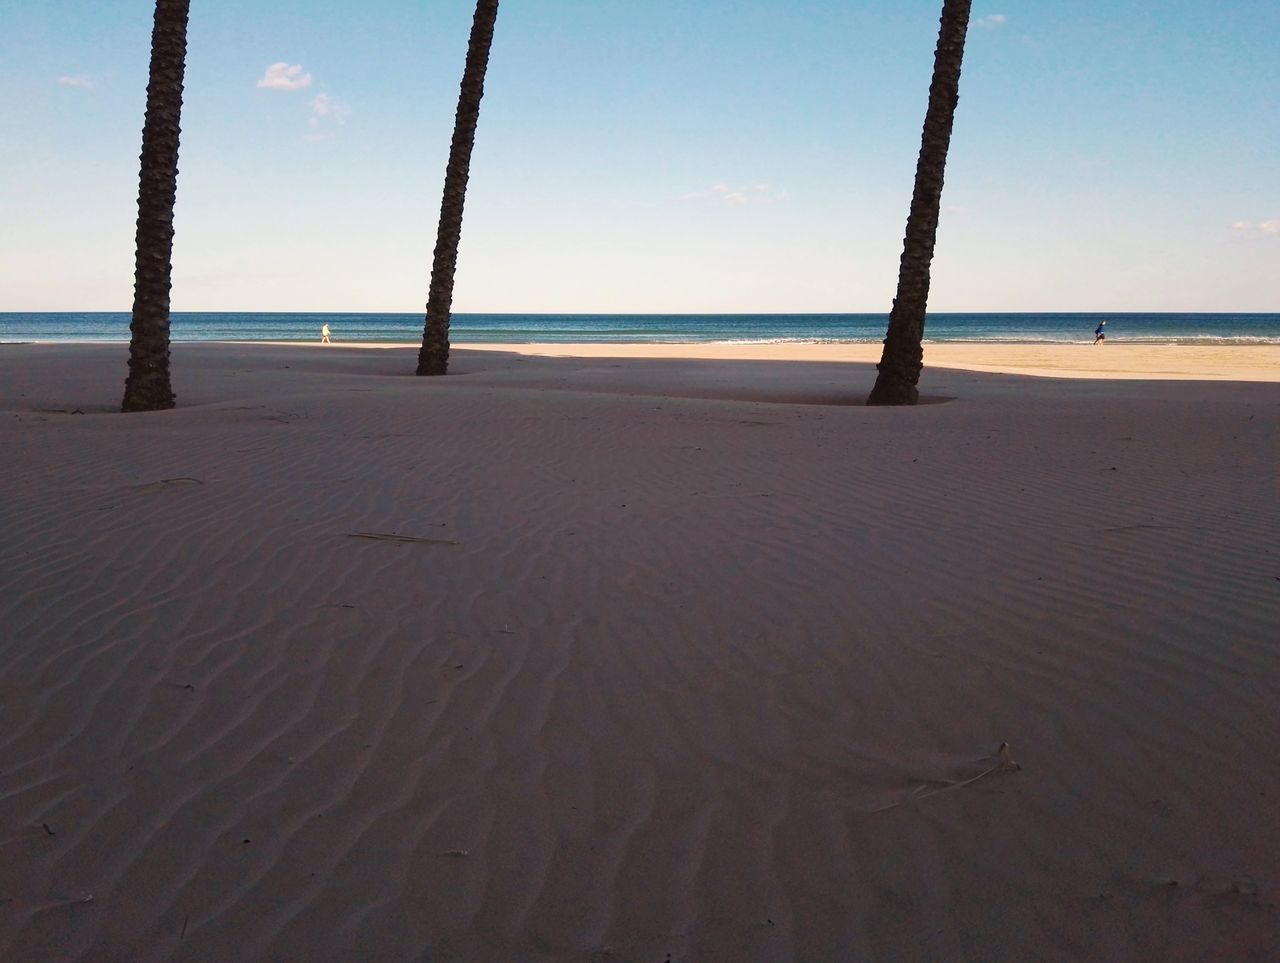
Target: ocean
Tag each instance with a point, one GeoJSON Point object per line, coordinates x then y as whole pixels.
{"type": "Point", "coordinates": [668, 328]}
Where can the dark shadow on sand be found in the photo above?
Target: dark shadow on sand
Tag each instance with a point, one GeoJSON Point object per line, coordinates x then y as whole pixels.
{"type": "Point", "coordinates": [229, 370]}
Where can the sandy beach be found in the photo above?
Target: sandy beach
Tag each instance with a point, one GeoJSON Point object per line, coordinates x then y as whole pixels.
{"type": "Point", "coordinates": [641, 653]}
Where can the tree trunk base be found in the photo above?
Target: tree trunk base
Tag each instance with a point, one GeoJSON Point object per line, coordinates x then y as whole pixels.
{"type": "Point", "coordinates": [148, 394]}
{"type": "Point", "coordinates": [433, 367]}
{"type": "Point", "coordinates": [893, 391]}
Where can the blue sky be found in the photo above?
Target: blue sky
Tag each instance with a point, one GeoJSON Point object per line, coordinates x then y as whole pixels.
{"type": "Point", "coordinates": [655, 156]}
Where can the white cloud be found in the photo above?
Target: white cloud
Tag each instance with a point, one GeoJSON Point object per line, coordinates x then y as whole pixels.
{"type": "Point", "coordinates": [326, 116]}
{"type": "Point", "coordinates": [325, 106]}
{"type": "Point", "coordinates": [738, 197]}
{"type": "Point", "coordinates": [991, 21]}
{"type": "Point", "coordinates": [78, 80]}
{"type": "Point", "coordinates": [282, 76]}
{"type": "Point", "coordinates": [1265, 227]}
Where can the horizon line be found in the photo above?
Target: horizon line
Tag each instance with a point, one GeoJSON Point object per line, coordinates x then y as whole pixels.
{"type": "Point", "coordinates": [649, 314]}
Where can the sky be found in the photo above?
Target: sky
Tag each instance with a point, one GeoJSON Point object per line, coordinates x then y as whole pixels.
{"type": "Point", "coordinates": [651, 155]}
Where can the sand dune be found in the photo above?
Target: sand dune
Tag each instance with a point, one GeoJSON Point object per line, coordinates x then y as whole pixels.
{"type": "Point", "coordinates": [690, 658]}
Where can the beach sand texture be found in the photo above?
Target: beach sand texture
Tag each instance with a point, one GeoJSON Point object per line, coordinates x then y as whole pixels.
{"type": "Point", "coordinates": [687, 659]}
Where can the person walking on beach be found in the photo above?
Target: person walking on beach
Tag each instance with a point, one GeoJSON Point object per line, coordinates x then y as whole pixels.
{"type": "Point", "coordinates": [1100, 332]}
{"type": "Point", "coordinates": [324, 333]}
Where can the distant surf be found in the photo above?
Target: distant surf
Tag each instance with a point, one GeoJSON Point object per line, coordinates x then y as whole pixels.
{"type": "Point", "coordinates": [1064, 328]}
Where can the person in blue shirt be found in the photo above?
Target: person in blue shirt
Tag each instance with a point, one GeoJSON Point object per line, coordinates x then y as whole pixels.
{"type": "Point", "coordinates": [1100, 332]}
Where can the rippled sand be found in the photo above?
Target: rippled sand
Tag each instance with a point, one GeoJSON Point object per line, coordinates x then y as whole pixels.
{"type": "Point", "coordinates": [670, 656]}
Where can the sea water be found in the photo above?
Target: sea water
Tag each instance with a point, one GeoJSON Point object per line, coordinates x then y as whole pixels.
{"type": "Point", "coordinates": [662, 328]}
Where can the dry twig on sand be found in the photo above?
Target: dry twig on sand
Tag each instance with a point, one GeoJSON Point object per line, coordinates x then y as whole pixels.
{"type": "Point", "coordinates": [384, 537]}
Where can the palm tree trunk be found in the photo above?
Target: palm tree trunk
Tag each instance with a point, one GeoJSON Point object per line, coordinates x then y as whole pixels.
{"type": "Point", "coordinates": [902, 359]}
{"type": "Point", "coordinates": [433, 358]}
{"type": "Point", "coordinates": [147, 387]}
